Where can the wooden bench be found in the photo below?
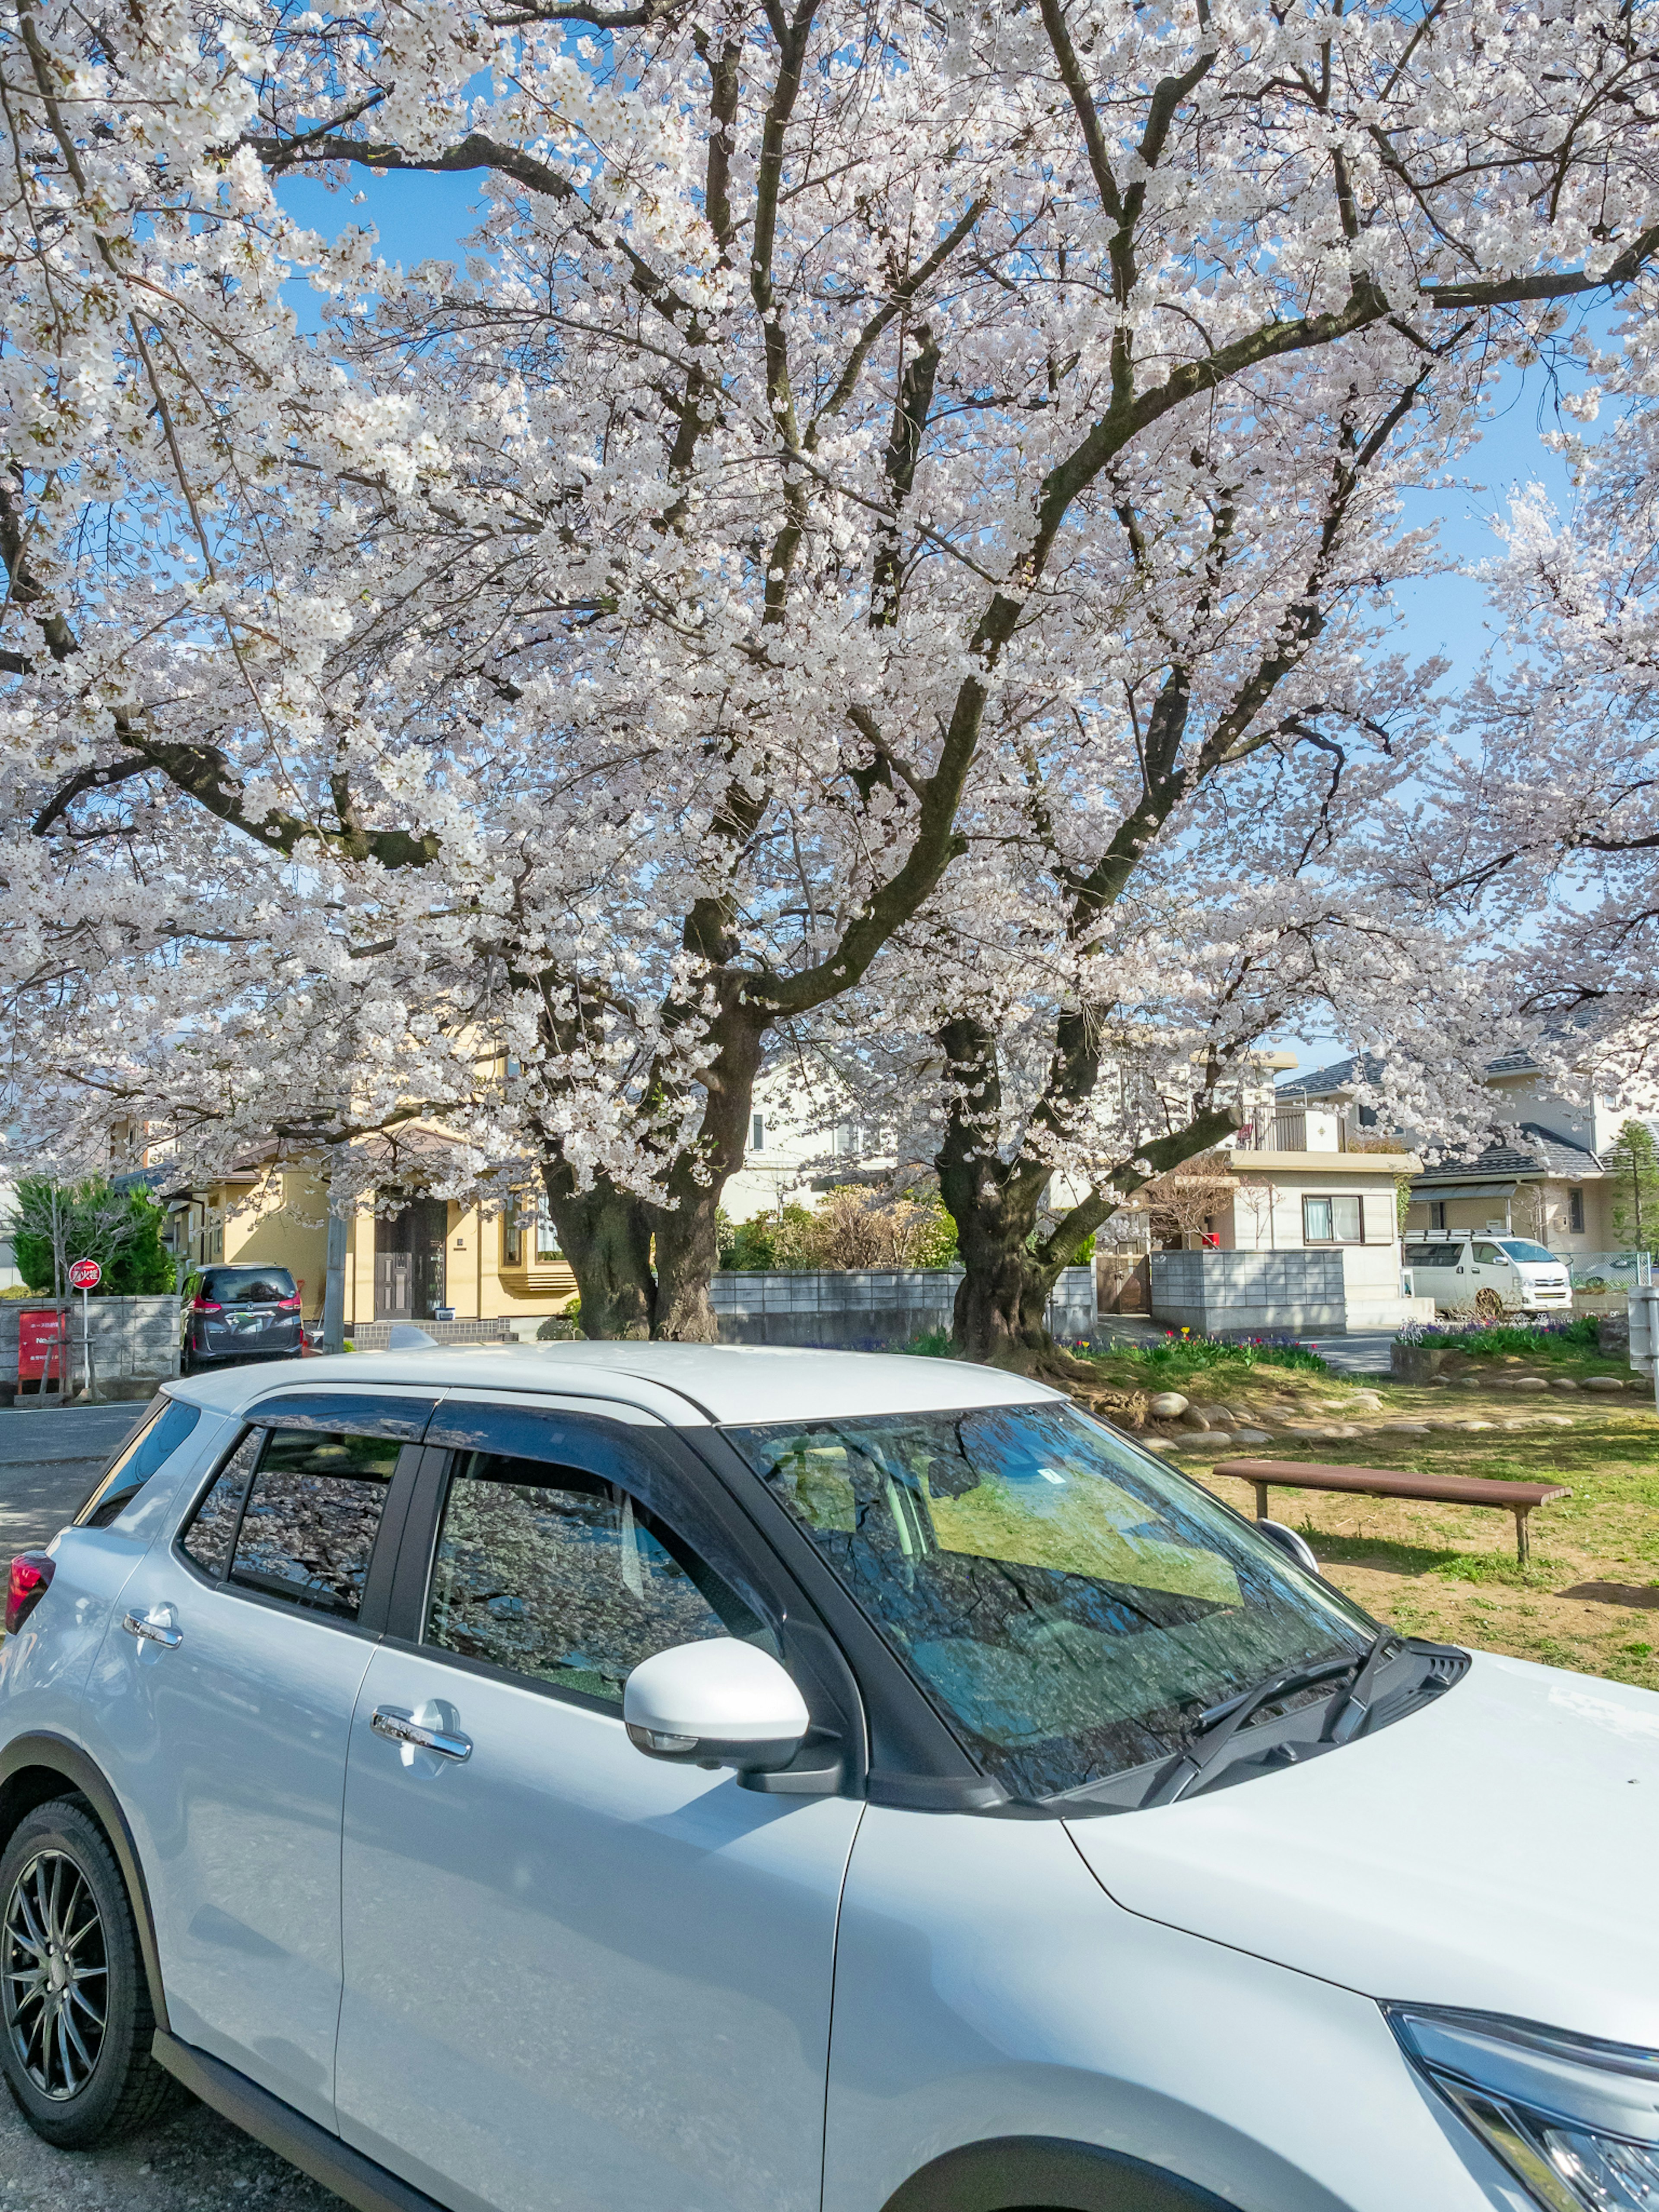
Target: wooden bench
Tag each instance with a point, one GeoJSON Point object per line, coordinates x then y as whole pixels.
{"type": "Point", "coordinates": [1517, 1497]}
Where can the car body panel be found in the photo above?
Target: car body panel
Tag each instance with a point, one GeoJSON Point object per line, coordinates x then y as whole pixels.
{"type": "Point", "coordinates": [227, 1755]}
{"type": "Point", "coordinates": [575, 1976]}
{"type": "Point", "coordinates": [1496, 1849]}
{"type": "Point", "coordinates": [987, 1986]}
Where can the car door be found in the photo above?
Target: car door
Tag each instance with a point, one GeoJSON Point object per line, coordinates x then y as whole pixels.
{"type": "Point", "coordinates": [225, 1688]}
{"type": "Point", "coordinates": [575, 1976]}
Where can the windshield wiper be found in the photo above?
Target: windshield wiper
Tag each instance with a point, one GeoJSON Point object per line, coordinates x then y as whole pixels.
{"type": "Point", "coordinates": [1351, 1707]}
{"type": "Point", "coordinates": [1222, 1722]}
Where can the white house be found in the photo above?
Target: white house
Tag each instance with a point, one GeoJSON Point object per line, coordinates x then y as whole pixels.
{"type": "Point", "coordinates": [1546, 1180]}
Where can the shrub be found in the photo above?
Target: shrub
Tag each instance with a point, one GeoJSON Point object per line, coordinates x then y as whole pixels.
{"type": "Point", "coordinates": [853, 1228]}
{"type": "Point", "coordinates": [52, 1223]}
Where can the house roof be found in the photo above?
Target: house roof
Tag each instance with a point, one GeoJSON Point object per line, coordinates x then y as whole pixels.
{"type": "Point", "coordinates": [1542, 1152]}
{"type": "Point", "coordinates": [1340, 1075]}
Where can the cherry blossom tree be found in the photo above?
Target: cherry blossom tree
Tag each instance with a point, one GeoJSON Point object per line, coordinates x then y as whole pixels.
{"type": "Point", "coordinates": [525, 699]}
{"type": "Point", "coordinates": [1548, 821]}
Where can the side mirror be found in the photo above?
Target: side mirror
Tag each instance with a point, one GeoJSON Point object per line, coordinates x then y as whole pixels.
{"type": "Point", "coordinates": [1294, 1547]}
{"type": "Point", "coordinates": [718, 1703]}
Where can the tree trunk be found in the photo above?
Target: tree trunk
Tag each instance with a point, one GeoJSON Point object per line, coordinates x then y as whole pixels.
{"type": "Point", "coordinates": [687, 1255]}
{"type": "Point", "coordinates": [1002, 1297]}
{"type": "Point", "coordinates": [605, 1234]}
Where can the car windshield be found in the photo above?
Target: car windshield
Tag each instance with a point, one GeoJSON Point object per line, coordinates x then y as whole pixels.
{"type": "Point", "coordinates": [1070, 1604]}
{"type": "Point", "coordinates": [1519, 1247]}
{"type": "Point", "coordinates": [247, 1287]}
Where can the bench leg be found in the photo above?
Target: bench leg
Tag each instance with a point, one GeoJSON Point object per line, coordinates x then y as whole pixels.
{"type": "Point", "coordinates": [1522, 1549]}
{"type": "Point", "coordinates": [1260, 1501]}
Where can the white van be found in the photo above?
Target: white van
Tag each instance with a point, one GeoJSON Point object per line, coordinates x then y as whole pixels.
{"type": "Point", "coordinates": [1490, 1274]}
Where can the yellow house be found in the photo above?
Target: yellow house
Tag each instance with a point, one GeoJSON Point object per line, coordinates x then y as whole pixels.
{"type": "Point", "coordinates": [433, 1257]}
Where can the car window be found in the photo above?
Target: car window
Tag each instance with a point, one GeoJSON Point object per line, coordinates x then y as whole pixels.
{"type": "Point", "coordinates": [1521, 1248]}
{"type": "Point", "coordinates": [211, 1529]}
{"type": "Point", "coordinates": [312, 1511]}
{"type": "Point", "coordinates": [1433, 1256]}
{"type": "Point", "coordinates": [294, 1514]}
{"type": "Point", "coordinates": [247, 1287]}
{"type": "Point", "coordinates": [1487, 1256]}
{"type": "Point", "coordinates": [168, 1425]}
{"type": "Point", "coordinates": [565, 1578]}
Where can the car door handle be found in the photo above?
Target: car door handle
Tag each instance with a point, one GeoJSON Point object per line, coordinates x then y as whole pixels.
{"type": "Point", "coordinates": [152, 1632]}
{"type": "Point", "coordinates": [400, 1728]}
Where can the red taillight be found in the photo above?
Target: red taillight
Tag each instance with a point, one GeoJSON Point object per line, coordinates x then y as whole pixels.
{"type": "Point", "coordinates": [205, 1305]}
{"type": "Point", "coordinates": [31, 1577]}
{"type": "Point", "coordinates": [287, 1305]}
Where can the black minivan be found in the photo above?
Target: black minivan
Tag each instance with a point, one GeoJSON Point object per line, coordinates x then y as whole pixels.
{"type": "Point", "coordinates": [234, 1314]}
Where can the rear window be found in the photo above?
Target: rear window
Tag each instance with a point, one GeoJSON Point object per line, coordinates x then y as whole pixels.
{"type": "Point", "coordinates": [247, 1287]}
{"type": "Point", "coordinates": [160, 1437]}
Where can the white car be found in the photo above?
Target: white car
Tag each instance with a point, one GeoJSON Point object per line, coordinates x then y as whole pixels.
{"type": "Point", "coordinates": [1489, 1275]}
{"type": "Point", "coordinates": [645, 1779]}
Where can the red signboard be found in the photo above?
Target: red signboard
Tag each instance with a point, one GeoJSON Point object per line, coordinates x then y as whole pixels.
{"type": "Point", "coordinates": [85, 1274]}
{"type": "Point", "coordinates": [39, 1345]}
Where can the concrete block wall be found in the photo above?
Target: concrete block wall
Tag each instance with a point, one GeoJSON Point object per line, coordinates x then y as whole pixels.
{"type": "Point", "coordinates": [1238, 1293]}
{"type": "Point", "coordinates": [867, 1306]}
{"type": "Point", "coordinates": [376, 1336]}
{"type": "Point", "coordinates": [133, 1339]}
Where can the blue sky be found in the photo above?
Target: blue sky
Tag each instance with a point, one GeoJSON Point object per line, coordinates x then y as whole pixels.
{"type": "Point", "coordinates": [420, 217]}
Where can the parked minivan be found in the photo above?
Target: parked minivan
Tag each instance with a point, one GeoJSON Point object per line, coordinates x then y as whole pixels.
{"type": "Point", "coordinates": [642, 1777]}
{"type": "Point", "coordinates": [1490, 1275]}
{"type": "Point", "coordinates": [233, 1314]}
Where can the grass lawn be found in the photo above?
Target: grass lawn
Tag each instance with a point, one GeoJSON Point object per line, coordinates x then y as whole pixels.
{"type": "Point", "coordinates": [1589, 1598]}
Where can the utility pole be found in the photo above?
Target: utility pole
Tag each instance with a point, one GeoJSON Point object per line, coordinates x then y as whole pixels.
{"type": "Point", "coordinates": [334, 1280]}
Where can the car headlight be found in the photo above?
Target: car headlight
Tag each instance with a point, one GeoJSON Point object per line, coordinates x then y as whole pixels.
{"type": "Point", "coordinates": [1576, 2120]}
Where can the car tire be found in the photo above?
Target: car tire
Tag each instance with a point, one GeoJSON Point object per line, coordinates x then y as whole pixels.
{"type": "Point", "coordinates": [76, 2044]}
{"type": "Point", "coordinates": [1488, 1305]}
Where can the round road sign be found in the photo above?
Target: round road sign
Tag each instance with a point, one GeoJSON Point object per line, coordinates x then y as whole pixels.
{"type": "Point", "coordinates": [85, 1274]}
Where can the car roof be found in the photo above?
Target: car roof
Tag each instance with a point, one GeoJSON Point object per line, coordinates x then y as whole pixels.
{"type": "Point", "coordinates": [688, 1385]}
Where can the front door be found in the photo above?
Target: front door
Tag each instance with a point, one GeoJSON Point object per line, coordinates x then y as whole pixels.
{"type": "Point", "coordinates": [229, 1716]}
{"type": "Point", "coordinates": [410, 1250]}
{"type": "Point", "coordinates": [575, 1976]}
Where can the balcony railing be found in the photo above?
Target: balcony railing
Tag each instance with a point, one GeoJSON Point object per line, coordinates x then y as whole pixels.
{"type": "Point", "coordinates": [1274, 1133]}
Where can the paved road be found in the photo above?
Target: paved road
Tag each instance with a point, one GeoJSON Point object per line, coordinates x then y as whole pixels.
{"type": "Point", "coordinates": [48, 1462]}
{"type": "Point", "coordinates": [192, 2162]}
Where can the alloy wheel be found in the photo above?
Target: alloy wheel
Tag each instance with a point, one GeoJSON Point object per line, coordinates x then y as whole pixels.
{"type": "Point", "coordinates": [56, 1975]}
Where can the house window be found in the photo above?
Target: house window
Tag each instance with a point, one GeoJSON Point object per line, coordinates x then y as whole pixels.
{"type": "Point", "coordinates": [1575, 1211]}
{"type": "Point", "coordinates": [1331, 1221]}
{"type": "Point", "coordinates": [757, 1134]}
{"type": "Point", "coordinates": [1438, 1213]}
{"type": "Point", "coordinates": [527, 1227]}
